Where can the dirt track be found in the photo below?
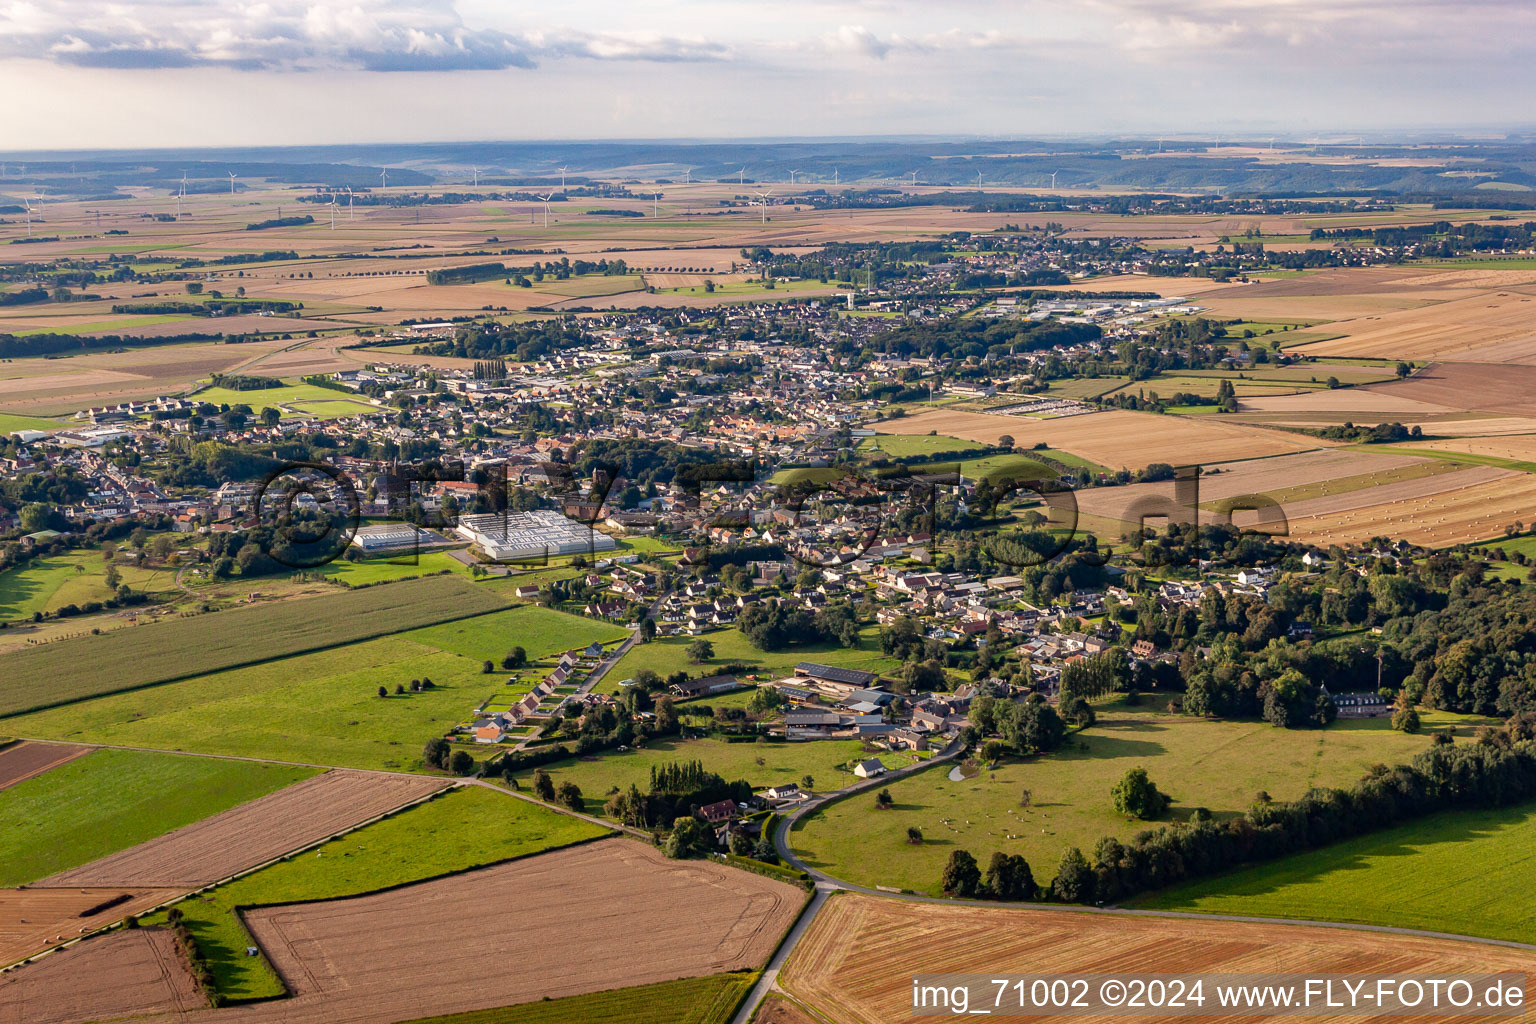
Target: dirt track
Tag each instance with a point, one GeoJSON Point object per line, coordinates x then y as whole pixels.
{"type": "Point", "coordinates": [856, 963]}
{"type": "Point", "coordinates": [252, 833]}
{"type": "Point", "coordinates": [24, 760]}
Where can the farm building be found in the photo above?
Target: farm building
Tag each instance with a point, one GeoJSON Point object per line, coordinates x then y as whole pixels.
{"type": "Point", "coordinates": [869, 769]}
{"type": "Point", "coordinates": [391, 537]}
{"type": "Point", "coordinates": [705, 686]}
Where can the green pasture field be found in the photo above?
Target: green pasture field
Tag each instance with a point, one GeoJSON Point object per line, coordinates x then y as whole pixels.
{"type": "Point", "coordinates": [588, 285]}
{"type": "Point", "coordinates": [783, 761]}
{"type": "Point", "coordinates": [259, 398]}
{"type": "Point", "coordinates": [374, 570]}
{"type": "Point", "coordinates": [333, 409]}
{"type": "Point", "coordinates": [10, 422]}
{"type": "Point", "coordinates": [110, 800]}
{"type": "Point", "coordinates": [1346, 484]}
{"type": "Point", "coordinates": [1459, 871]}
{"type": "Point", "coordinates": [321, 707]}
{"type": "Point", "coordinates": [1084, 388]}
{"type": "Point", "coordinates": [1218, 765]}
{"type": "Point", "coordinates": [749, 290]}
{"type": "Point", "coordinates": [122, 324]}
{"type": "Point", "coordinates": [90, 666]}
{"type": "Point", "coordinates": [539, 631]}
{"type": "Point", "coordinates": [667, 655]}
{"type": "Point", "coordinates": [712, 999]}
{"type": "Point", "coordinates": [904, 446]}
{"type": "Point", "coordinates": [463, 828]}
{"type": "Point", "coordinates": [48, 584]}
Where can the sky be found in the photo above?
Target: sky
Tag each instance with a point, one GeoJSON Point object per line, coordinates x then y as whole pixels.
{"type": "Point", "coordinates": [93, 74]}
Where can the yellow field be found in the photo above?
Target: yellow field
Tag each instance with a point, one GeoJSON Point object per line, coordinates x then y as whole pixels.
{"type": "Point", "coordinates": [1113, 439]}
{"type": "Point", "coordinates": [1477, 512]}
{"type": "Point", "coordinates": [856, 963]}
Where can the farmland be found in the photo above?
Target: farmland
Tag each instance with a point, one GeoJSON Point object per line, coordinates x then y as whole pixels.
{"type": "Point", "coordinates": [1219, 765]}
{"type": "Point", "coordinates": [461, 829]}
{"type": "Point", "coordinates": [48, 584]}
{"type": "Point", "coordinates": [317, 401]}
{"type": "Point", "coordinates": [846, 965]}
{"type": "Point", "coordinates": [708, 1000]}
{"type": "Point", "coordinates": [125, 972]}
{"type": "Point", "coordinates": [1456, 871]}
{"type": "Point", "coordinates": [250, 833]}
{"type": "Point", "coordinates": [1113, 439]}
{"type": "Point", "coordinates": [22, 761]}
{"type": "Point", "coordinates": [539, 631]}
{"type": "Point", "coordinates": [601, 913]}
{"type": "Point", "coordinates": [317, 708]}
{"type": "Point", "coordinates": [110, 800]}
{"type": "Point", "coordinates": [1479, 511]}
{"type": "Point", "coordinates": [600, 774]}
{"type": "Point", "coordinates": [90, 666]}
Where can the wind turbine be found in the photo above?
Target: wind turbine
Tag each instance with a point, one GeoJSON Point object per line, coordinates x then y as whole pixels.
{"type": "Point", "coordinates": [231, 182]}
{"type": "Point", "coordinates": [562, 177]}
{"type": "Point", "coordinates": [741, 178]}
{"type": "Point", "coordinates": [546, 200]}
{"type": "Point", "coordinates": [183, 182]}
{"type": "Point", "coordinates": [477, 176]}
{"type": "Point", "coordinates": [1053, 179]}
{"type": "Point", "coordinates": [28, 204]}
{"type": "Point", "coordinates": [792, 176]}
{"type": "Point", "coordinates": [914, 179]}
{"type": "Point", "coordinates": [332, 205]}
{"type": "Point", "coordinates": [178, 206]}
{"type": "Point", "coordinates": [383, 177]}
{"type": "Point", "coordinates": [978, 179]}
{"type": "Point", "coordinates": [656, 205]}
{"type": "Point", "coordinates": [834, 175]}
{"type": "Point", "coordinates": [349, 201]}
{"type": "Point", "coordinates": [688, 176]}
{"type": "Point", "coordinates": [762, 197]}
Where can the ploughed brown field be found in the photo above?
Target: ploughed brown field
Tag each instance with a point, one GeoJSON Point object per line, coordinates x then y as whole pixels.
{"type": "Point", "coordinates": [1113, 439]}
{"type": "Point", "coordinates": [778, 1010]}
{"type": "Point", "coordinates": [127, 972]}
{"type": "Point", "coordinates": [32, 920]}
{"type": "Point", "coordinates": [253, 833]}
{"type": "Point", "coordinates": [22, 761]}
{"type": "Point", "coordinates": [855, 964]}
{"type": "Point", "coordinates": [605, 915]}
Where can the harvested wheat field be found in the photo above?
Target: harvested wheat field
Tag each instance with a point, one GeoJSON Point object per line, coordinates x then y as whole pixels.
{"type": "Point", "coordinates": [128, 972]}
{"type": "Point", "coordinates": [254, 833]}
{"type": "Point", "coordinates": [1113, 439]}
{"type": "Point", "coordinates": [22, 761]}
{"type": "Point", "coordinates": [1469, 514]}
{"type": "Point", "coordinates": [604, 915]}
{"type": "Point", "coordinates": [32, 920]}
{"type": "Point", "coordinates": [776, 1009]}
{"type": "Point", "coordinates": [1287, 479]}
{"type": "Point", "coordinates": [1483, 387]}
{"type": "Point", "coordinates": [1515, 447]}
{"type": "Point", "coordinates": [1489, 327]}
{"type": "Point", "coordinates": [855, 964]}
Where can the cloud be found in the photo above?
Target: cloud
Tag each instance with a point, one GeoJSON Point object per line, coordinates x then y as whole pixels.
{"type": "Point", "coordinates": [292, 35]}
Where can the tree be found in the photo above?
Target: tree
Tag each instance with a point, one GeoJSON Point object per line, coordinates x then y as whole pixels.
{"type": "Point", "coordinates": [1009, 878]}
{"type": "Point", "coordinates": [1405, 720]}
{"type": "Point", "coordinates": [270, 416]}
{"type": "Point", "coordinates": [914, 835]}
{"type": "Point", "coordinates": [383, 691]}
{"type": "Point", "coordinates": [741, 844]}
{"type": "Point", "coordinates": [687, 838]}
{"type": "Point", "coordinates": [436, 754]}
{"type": "Point", "coordinates": [569, 794]}
{"type": "Point", "coordinates": [112, 577]}
{"type": "Point", "coordinates": [37, 516]}
{"type": "Point", "coordinates": [1074, 882]}
{"type": "Point", "coordinates": [1138, 796]}
{"type": "Point", "coordinates": [700, 651]}
{"type": "Point", "coordinates": [516, 658]}
{"type": "Point", "coordinates": [961, 877]}
{"type": "Point", "coordinates": [765, 852]}
{"type": "Point", "coordinates": [884, 801]}
{"type": "Point", "coordinates": [647, 629]}
{"type": "Point", "coordinates": [807, 783]}
{"type": "Point", "coordinates": [1403, 369]}
{"type": "Point", "coordinates": [487, 667]}
{"type": "Point", "coordinates": [543, 786]}
{"type": "Point", "coordinates": [765, 699]}
{"type": "Point", "coordinates": [1005, 440]}
{"type": "Point", "coordinates": [461, 763]}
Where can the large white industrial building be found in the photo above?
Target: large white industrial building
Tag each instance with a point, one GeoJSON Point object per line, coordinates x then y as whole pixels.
{"type": "Point", "coordinates": [517, 536]}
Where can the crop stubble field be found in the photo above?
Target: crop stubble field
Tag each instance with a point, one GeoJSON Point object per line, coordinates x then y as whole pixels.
{"type": "Point", "coordinates": [22, 761]}
{"type": "Point", "coordinates": [125, 973]}
{"type": "Point", "coordinates": [32, 920]}
{"type": "Point", "coordinates": [856, 963]}
{"type": "Point", "coordinates": [247, 835]}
